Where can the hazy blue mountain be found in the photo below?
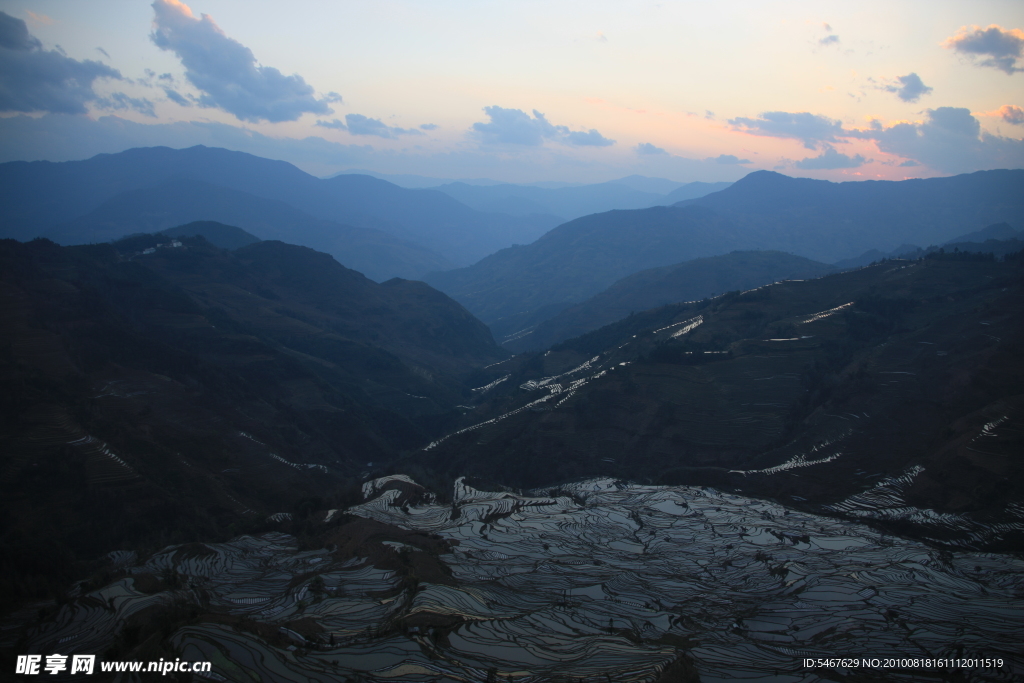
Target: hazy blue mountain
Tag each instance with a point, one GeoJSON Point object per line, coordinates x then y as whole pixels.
{"type": "Point", "coordinates": [829, 221]}
{"type": "Point", "coordinates": [377, 254]}
{"type": "Point", "coordinates": [416, 182]}
{"type": "Point", "coordinates": [688, 281]}
{"type": "Point", "coordinates": [643, 183]}
{"type": "Point", "coordinates": [567, 202]}
{"type": "Point", "coordinates": [996, 231]}
{"type": "Point", "coordinates": [217, 234]}
{"type": "Point", "coordinates": [631, 192]}
{"type": "Point", "coordinates": [29, 191]}
{"type": "Point", "coordinates": [812, 218]}
{"type": "Point", "coordinates": [694, 190]}
{"type": "Point", "coordinates": [580, 258]}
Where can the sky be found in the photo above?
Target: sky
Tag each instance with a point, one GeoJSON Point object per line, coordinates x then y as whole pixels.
{"type": "Point", "coordinates": [525, 91]}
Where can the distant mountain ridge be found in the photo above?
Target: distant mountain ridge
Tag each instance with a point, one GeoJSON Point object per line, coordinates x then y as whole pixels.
{"type": "Point", "coordinates": [427, 217]}
{"type": "Point", "coordinates": [764, 211]}
{"type": "Point", "coordinates": [829, 221]}
{"type": "Point", "coordinates": [569, 203]}
{"type": "Point", "coordinates": [580, 258]}
{"type": "Point", "coordinates": [375, 253]}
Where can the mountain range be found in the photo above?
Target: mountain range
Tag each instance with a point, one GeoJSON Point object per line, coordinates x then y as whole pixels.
{"type": "Point", "coordinates": [815, 219]}
{"type": "Point", "coordinates": [428, 218]}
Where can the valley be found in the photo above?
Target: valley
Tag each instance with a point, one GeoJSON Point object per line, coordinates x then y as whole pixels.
{"type": "Point", "coordinates": [682, 462]}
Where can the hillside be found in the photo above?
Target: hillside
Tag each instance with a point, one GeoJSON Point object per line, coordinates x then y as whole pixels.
{"type": "Point", "coordinates": [655, 287]}
{"type": "Point", "coordinates": [160, 393]}
{"type": "Point", "coordinates": [875, 393]}
{"type": "Point", "coordinates": [217, 234]}
{"type": "Point", "coordinates": [377, 254]}
{"type": "Point", "coordinates": [427, 217]}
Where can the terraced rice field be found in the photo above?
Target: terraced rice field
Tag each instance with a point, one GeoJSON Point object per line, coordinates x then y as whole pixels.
{"type": "Point", "coordinates": [598, 580]}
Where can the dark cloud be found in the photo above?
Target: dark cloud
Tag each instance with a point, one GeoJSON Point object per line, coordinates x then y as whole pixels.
{"type": "Point", "coordinates": [949, 140]}
{"type": "Point", "coordinates": [516, 127]}
{"type": "Point", "coordinates": [429, 126]}
{"type": "Point", "coordinates": [14, 35]}
{"type": "Point", "coordinates": [363, 125]}
{"type": "Point", "coordinates": [708, 114]}
{"type": "Point", "coordinates": [1011, 113]}
{"type": "Point", "coordinates": [829, 40]}
{"type": "Point", "coordinates": [176, 97]}
{"type": "Point", "coordinates": [334, 123]}
{"type": "Point", "coordinates": [909, 163]}
{"type": "Point", "coordinates": [811, 129]}
{"type": "Point", "coordinates": [121, 102]}
{"type": "Point", "coordinates": [830, 160]}
{"type": "Point", "coordinates": [226, 72]}
{"type": "Point", "coordinates": [909, 88]}
{"type": "Point", "coordinates": [646, 148]}
{"type": "Point", "coordinates": [728, 159]}
{"type": "Point", "coordinates": [103, 52]}
{"type": "Point", "coordinates": [1000, 47]}
{"type": "Point", "coordinates": [33, 79]}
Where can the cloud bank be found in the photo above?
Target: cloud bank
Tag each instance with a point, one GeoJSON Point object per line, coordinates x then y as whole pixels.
{"type": "Point", "coordinates": [811, 129]}
{"type": "Point", "coordinates": [226, 72]}
{"type": "Point", "coordinates": [646, 149]}
{"type": "Point", "coordinates": [516, 127]}
{"type": "Point", "coordinates": [830, 160]}
{"type": "Point", "coordinates": [950, 140]}
{"type": "Point", "coordinates": [33, 79]}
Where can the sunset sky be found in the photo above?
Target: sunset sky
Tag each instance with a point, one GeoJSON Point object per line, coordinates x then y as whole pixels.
{"type": "Point", "coordinates": [525, 91]}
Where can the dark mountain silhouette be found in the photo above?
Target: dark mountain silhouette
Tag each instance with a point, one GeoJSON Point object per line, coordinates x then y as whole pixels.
{"type": "Point", "coordinates": [217, 234]}
{"type": "Point", "coordinates": [162, 393]}
{"type": "Point", "coordinates": [812, 218]}
{"type": "Point", "coordinates": [377, 254]}
{"type": "Point", "coordinates": [808, 392]}
{"type": "Point", "coordinates": [40, 195]}
{"type": "Point", "coordinates": [829, 221]}
{"type": "Point", "coordinates": [657, 287]}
